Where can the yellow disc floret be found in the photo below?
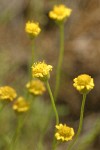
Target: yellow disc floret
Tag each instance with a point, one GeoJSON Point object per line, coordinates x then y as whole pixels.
{"type": "Point", "coordinates": [60, 12]}
{"type": "Point", "coordinates": [64, 133]}
{"type": "Point", "coordinates": [36, 87]}
{"type": "Point", "coordinates": [32, 28]}
{"type": "Point", "coordinates": [41, 70]}
{"type": "Point", "coordinates": [7, 93]}
{"type": "Point", "coordinates": [21, 105]}
{"type": "Point", "coordinates": [83, 83]}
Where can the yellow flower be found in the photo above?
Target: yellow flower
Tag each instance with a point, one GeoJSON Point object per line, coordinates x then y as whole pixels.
{"type": "Point", "coordinates": [60, 12]}
{"type": "Point", "coordinates": [41, 70]}
{"type": "Point", "coordinates": [32, 28]}
{"type": "Point", "coordinates": [64, 132]}
{"type": "Point", "coordinates": [36, 87]}
{"type": "Point", "coordinates": [7, 93]}
{"type": "Point", "coordinates": [21, 105]}
{"type": "Point", "coordinates": [83, 83]}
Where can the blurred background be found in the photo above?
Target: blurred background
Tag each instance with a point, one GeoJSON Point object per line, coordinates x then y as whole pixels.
{"type": "Point", "coordinates": [82, 55]}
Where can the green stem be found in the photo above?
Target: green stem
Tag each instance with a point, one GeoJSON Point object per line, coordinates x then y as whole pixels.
{"type": "Point", "coordinates": [16, 134]}
{"type": "Point", "coordinates": [56, 113]}
{"type": "Point", "coordinates": [32, 60]}
{"type": "Point", "coordinates": [53, 102]}
{"type": "Point", "coordinates": [80, 123]}
{"type": "Point", "coordinates": [60, 60]}
{"type": "Point", "coordinates": [32, 52]}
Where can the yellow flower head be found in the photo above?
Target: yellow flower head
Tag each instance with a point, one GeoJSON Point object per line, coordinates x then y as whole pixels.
{"type": "Point", "coordinates": [36, 87]}
{"type": "Point", "coordinates": [64, 133]}
{"type": "Point", "coordinates": [83, 83]}
{"type": "Point", "coordinates": [60, 12]}
{"type": "Point", "coordinates": [21, 105]}
{"type": "Point", "coordinates": [7, 93]}
{"type": "Point", "coordinates": [41, 70]}
{"type": "Point", "coordinates": [32, 28]}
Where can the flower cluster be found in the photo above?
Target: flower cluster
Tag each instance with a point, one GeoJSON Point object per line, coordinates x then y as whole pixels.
{"type": "Point", "coordinates": [64, 133]}
{"type": "Point", "coordinates": [7, 93]}
{"type": "Point", "coordinates": [41, 70]}
{"type": "Point", "coordinates": [83, 83]}
{"type": "Point", "coordinates": [32, 28]}
{"type": "Point", "coordinates": [60, 12]}
{"type": "Point", "coordinates": [36, 87]}
{"type": "Point", "coordinates": [21, 105]}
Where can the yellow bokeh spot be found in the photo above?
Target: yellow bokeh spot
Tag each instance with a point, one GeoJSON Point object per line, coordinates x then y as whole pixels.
{"type": "Point", "coordinates": [36, 87]}
{"type": "Point", "coordinates": [60, 12]}
{"type": "Point", "coordinates": [21, 105]}
{"type": "Point", "coordinates": [7, 93]}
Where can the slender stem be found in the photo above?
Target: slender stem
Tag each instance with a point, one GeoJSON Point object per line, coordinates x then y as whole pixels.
{"type": "Point", "coordinates": [60, 60]}
{"type": "Point", "coordinates": [32, 60]}
{"type": "Point", "coordinates": [53, 102]}
{"type": "Point", "coordinates": [80, 123]}
{"type": "Point", "coordinates": [56, 113]}
{"type": "Point", "coordinates": [32, 52]}
{"type": "Point", "coordinates": [16, 134]}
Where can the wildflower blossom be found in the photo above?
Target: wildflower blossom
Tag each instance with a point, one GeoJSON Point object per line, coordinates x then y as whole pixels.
{"type": "Point", "coordinates": [32, 28]}
{"type": "Point", "coordinates": [41, 70]}
{"type": "Point", "coordinates": [36, 87]}
{"type": "Point", "coordinates": [83, 83]}
{"type": "Point", "coordinates": [64, 132]}
{"type": "Point", "coordinates": [60, 12]}
{"type": "Point", "coordinates": [7, 93]}
{"type": "Point", "coordinates": [21, 105]}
